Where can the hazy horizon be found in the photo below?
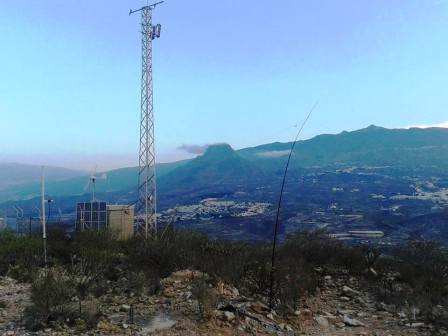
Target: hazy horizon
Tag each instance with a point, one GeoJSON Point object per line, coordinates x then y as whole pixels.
{"type": "Point", "coordinates": [110, 162]}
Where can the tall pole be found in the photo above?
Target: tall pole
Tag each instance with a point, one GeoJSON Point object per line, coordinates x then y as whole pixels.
{"type": "Point", "coordinates": [17, 219]}
{"type": "Point", "coordinates": [49, 209]}
{"type": "Point", "coordinates": [146, 203]}
{"type": "Point", "coordinates": [44, 224]}
{"type": "Point", "coordinates": [93, 190]}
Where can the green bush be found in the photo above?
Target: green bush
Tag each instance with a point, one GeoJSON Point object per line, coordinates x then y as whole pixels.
{"type": "Point", "coordinates": [90, 315]}
{"type": "Point", "coordinates": [137, 282]}
{"type": "Point", "coordinates": [51, 292]}
{"type": "Point", "coordinates": [20, 256]}
{"type": "Point", "coordinates": [89, 259]}
{"type": "Point", "coordinates": [256, 280]}
{"type": "Point", "coordinates": [294, 280]}
{"type": "Point", "coordinates": [424, 266]}
{"type": "Point", "coordinates": [176, 250]}
{"type": "Point", "coordinates": [60, 245]}
{"type": "Point", "coordinates": [228, 261]}
{"type": "Point", "coordinates": [315, 248]}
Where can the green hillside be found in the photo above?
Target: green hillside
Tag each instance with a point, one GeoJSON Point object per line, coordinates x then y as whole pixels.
{"type": "Point", "coordinates": [117, 180]}
{"type": "Point", "coordinates": [371, 146]}
{"type": "Point", "coordinates": [419, 151]}
{"type": "Point", "coordinates": [220, 164]}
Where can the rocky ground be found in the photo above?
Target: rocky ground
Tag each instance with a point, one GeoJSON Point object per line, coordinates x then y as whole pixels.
{"type": "Point", "coordinates": [340, 307]}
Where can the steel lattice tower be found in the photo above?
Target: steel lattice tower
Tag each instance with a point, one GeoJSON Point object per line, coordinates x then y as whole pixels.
{"type": "Point", "coordinates": [146, 204]}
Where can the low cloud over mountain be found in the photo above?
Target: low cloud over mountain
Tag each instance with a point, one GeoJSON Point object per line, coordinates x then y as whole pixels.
{"type": "Point", "coordinates": [196, 149]}
{"type": "Point", "coordinates": [443, 124]}
{"type": "Point", "coordinates": [193, 149]}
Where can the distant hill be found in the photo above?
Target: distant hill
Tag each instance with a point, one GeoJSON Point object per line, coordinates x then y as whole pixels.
{"type": "Point", "coordinates": [413, 148]}
{"type": "Point", "coordinates": [223, 170]}
{"type": "Point", "coordinates": [117, 180]}
{"type": "Point", "coordinates": [219, 167]}
{"type": "Point", "coordinates": [13, 174]}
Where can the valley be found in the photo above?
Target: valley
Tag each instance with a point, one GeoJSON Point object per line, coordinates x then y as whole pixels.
{"type": "Point", "coordinates": [392, 181]}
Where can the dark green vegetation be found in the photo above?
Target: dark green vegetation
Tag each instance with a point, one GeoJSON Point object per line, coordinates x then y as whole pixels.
{"type": "Point", "coordinates": [425, 149]}
{"type": "Point", "coordinates": [86, 265]}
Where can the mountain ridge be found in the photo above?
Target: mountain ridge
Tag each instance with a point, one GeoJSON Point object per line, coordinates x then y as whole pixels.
{"type": "Point", "coordinates": [419, 150]}
{"type": "Point", "coordinates": [219, 163]}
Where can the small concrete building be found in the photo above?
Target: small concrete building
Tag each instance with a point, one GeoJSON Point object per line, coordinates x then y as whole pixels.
{"type": "Point", "coordinates": [120, 219]}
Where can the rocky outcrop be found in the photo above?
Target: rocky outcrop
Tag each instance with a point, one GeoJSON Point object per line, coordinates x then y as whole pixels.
{"type": "Point", "coordinates": [340, 307]}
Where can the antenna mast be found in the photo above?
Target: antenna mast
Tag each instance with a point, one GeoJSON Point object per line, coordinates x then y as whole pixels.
{"type": "Point", "coordinates": [146, 203]}
{"type": "Point", "coordinates": [44, 224]}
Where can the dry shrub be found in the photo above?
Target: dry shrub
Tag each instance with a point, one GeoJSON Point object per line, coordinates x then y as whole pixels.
{"type": "Point", "coordinates": [51, 293]}
{"type": "Point", "coordinates": [203, 295]}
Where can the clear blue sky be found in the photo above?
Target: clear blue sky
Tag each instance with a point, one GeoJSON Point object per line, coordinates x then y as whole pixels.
{"type": "Point", "coordinates": [242, 72]}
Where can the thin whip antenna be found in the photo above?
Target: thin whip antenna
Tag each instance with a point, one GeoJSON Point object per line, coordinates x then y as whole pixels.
{"type": "Point", "coordinates": [44, 224]}
{"type": "Point", "coordinates": [274, 242]}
